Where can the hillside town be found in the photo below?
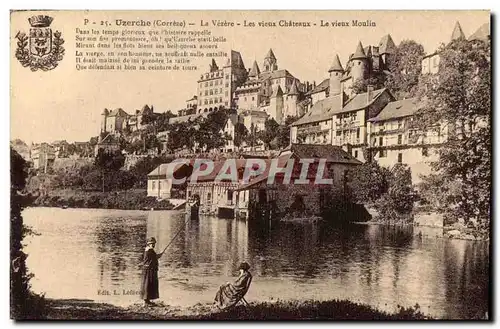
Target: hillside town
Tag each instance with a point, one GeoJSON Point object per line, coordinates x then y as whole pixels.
{"type": "Point", "coordinates": [358, 115]}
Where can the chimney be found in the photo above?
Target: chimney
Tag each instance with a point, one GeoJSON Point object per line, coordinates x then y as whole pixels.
{"type": "Point", "coordinates": [369, 94]}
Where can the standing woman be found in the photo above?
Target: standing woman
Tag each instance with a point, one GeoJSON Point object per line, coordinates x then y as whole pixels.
{"type": "Point", "coordinates": [149, 286]}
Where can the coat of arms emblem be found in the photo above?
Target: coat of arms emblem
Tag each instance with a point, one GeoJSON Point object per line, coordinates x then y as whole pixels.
{"type": "Point", "coordinates": [42, 49]}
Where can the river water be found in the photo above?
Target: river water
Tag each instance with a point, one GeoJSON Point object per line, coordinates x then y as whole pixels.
{"type": "Point", "coordinates": [96, 254]}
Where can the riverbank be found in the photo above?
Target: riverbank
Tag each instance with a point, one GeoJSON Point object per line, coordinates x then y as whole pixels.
{"type": "Point", "coordinates": [134, 199]}
{"type": "Point", "coordinates": [72, 309]}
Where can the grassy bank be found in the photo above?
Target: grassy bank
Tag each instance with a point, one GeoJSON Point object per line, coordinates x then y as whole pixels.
{"type": "Point", "coordinates": [134, 199]}
{"type": "Point", "coordinates": [281, 310]}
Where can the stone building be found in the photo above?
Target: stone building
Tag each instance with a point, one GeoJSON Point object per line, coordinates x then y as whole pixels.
{"type": "Point", "coordinates": [339, 121]}
{"type": "Point", "coordinates": [394, 138]}
{"type": "Point", "coordinates": [260, 198]}
{"type": "Point", "coordinates": [43, 156]}
{"type": "Point", "coordinates": [116, 121]}
{"type": "Point", "coordinates": [272, 90]}
{"type": "Point", "coordinates": [216, 87]}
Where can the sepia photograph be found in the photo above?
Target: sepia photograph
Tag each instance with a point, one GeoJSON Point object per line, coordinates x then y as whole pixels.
{"type": "Point", "coordinates": [250, 165]}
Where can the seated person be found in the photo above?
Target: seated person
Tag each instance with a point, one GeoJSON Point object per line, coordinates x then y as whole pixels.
{"type": "Point", "coordinates": [230, 294]}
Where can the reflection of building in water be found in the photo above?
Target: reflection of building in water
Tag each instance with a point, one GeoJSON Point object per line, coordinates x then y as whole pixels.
{"type": "Point", "coordinates": [119, 240]}
{"type": "Point", "coordinates": [218, 245]}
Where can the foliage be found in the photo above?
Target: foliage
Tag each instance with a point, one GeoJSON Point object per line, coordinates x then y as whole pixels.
{"type": "Point", "coordinates": [361, 85]}
{"type": "Point", "coordinates": [283, 137]}
{"type": "Point", "coordinates": [459, 98]}
{"type": "Point", "coordinates": [405, 66]}
{"type": "Point", "coordinates": [210, 134]}
{"type": "Point", "coordinates": [269, 133]}
{"type": "Point", "coordinates": [109, 160]}
{"type": "Point", "coordinates": [24, 303]}
{"type": "Point", "coordinates": [181, 135]}
{"type": "Point", "coordinates": [368, 182]}
{"type": "Point", "coordinates": [397, 203]}
{"type": "Point", "coordinates": [126, 199]}
{"type": "Point", "coordinates": [252, 137]}
{"type": "Point", "coordinates": [240, 134]}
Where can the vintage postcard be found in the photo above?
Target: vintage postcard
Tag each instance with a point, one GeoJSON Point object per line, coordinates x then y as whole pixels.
{"type": "Point", "coordinates": [250, 165]}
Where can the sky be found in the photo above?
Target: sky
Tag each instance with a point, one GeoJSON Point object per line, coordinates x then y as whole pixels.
{"type": "Point", "coordinates": [67, 104]}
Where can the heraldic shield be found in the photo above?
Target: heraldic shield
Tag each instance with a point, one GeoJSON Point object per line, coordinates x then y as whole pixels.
{"type": "Point", "coordinates": [40, 41]}
{"type": "Point", "coordinates": [41, 49]}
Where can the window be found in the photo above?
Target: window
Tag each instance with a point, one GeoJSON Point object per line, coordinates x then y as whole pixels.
{"type": "Point", "coordinates": [227, 84]}
{"type": "Point", "coordinates": [159, 185]}
{"type": "Point", "coordinates": [400, 157]}
{"type": "Point", "coordinates": [400, 124]}
{"type": "Point", "coordinates": [206, 92]}
{"type": "Point", "coordinates": [153, 185]}
{"type": "Point", "coordinates": [381, 141]}
{"type": "Point", "coordinates": [356, 154]}
{"type": "Point", "coordinates": [211, 83]}
{"type": "Point", "coordinates": [227, 76]}
{"type": "Point", "coordinates": [211, 92]}
{"type": "Point", "coordinates": [206, 84]}
{"type": "Point", "coordinates": [425, 151]}
{"type": "Point", "coordinates": [400, 139]}
{"type": "Point", "coordinates": [383, 154]}
{"type": "Point", "coordinates": [253, 98]}
{"type": "Point", "coordinates": [357, 133]}
{"type": "Point", "coordinates": [229, 195]}
{"type": "Point", "coordinates": [209, 196]}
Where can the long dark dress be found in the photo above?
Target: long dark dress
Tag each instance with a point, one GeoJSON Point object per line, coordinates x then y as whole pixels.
{"type": "Point", "coordinates": [230, 294]}
{"type": "Point", "coordinates": [149, 285]}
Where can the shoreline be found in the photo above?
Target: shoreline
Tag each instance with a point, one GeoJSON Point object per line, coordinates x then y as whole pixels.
{"type": "Point", "coordinates": [78, 309]}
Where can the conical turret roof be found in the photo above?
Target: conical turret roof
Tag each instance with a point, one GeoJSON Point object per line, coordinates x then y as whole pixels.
{"type": "Point", "coordinates": [336, 66]}
{"type": "Point", "coordinates": [386, 45]}
{"type": "Point", "coordinates": [277, 92]}
{"type": "Point", "coordinates": [255, 71]}
{"type": "Point", "coordinates": [270, 54]}
{"type": "Point", "coordinates": [457, 32]}
{"type": "Point", "coordinates": [359, 53]}
{"type": "Point", "coordinates": [293, 89]}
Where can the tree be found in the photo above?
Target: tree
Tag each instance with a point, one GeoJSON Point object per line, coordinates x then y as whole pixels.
{"type": "Point", "coordinates": [284, 132]}
{"type": "Point", "coordinates": [405, 66]}
{"type": "Point", "coordinates": [240, 134]}
{"type": "Point", "coordinates": [271, 129]}
{"type": "Point", "coordinates": [24, 304]}
{"type": "Point", "coordinates": [458, 97]}
{"type": "Point", "coordinates": [252, 136]}
{"type": "Point", "coordinates": [376, 81]}
{"type": "Point", "coordinates": [397, 203]}
{"type": "Point", "coordinates": [209, 134]}
{"type": "Point", "coordinates": [108, 162]}
{"type": "Point", "coordinates": [368, 182]}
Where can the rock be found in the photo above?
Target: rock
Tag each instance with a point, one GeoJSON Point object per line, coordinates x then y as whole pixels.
{"type": "Point", "coordinates": [453, 233]}
{"type": "Point", "coordinates": [469, 237]}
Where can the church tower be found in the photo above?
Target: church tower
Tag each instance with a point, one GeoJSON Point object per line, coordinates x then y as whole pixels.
{"type": "Point", "coordinates": [270, 62]}
{"type": "Point", "coordinates": [292, 100]}
{"type": "Point", "coordinates": [336, 72]}
{"type": "Point", "coordinates": [276, 105]}
{"type": "Point", "coordinates": [359, 64]}
{"type": "Point", "coordinates": [104, 118]}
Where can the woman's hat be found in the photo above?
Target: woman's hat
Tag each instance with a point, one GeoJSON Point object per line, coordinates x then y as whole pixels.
{"type": "Point", "coordinates": [244, 266]}
{"type": "Point", "coordinates": [151, 240]}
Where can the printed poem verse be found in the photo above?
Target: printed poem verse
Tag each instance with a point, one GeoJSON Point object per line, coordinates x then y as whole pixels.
{"type": "Point", "coordinates": [119, 45]}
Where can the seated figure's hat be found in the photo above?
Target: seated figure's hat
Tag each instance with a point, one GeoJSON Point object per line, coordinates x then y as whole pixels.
{"type": "Point", "coordinates": [151, 240]}
{"type": "Point", "coordinates": [244, 266]}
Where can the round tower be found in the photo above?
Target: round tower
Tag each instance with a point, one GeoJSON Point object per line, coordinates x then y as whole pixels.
{"type": "Point", "coordinates": [104, 117]}
{"type": "Point", "coordinates": [359, 63]}
{"type": "Point", "coordinates": [336, 71]}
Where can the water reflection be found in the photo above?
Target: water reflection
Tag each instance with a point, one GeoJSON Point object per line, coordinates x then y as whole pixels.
{"type": "Point", "coordinates": [378, 265]}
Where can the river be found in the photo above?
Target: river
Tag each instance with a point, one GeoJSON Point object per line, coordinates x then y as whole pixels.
{"type": "Point", "coordinates": [96, 254]}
